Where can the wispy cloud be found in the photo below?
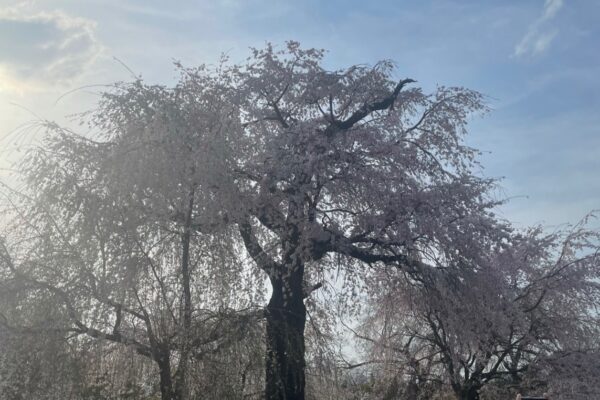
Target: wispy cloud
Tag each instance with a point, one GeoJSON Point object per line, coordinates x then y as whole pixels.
{"type": "Point", "coordinates": [43, 48]}
{"type": "Point", "coordinates": [540, 34]}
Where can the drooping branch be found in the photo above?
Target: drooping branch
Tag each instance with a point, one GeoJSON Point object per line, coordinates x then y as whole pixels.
{"type": "Point", "coordinates": [154, 268]}
{"type": "Point", "coordinates": [80, 327]}
{"type": "Point", "coordinates": [105, 299]}
{"type": "Point", "coordinates": [228, 326]}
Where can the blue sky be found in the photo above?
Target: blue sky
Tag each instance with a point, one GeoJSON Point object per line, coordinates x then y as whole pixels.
{"type": "Point", "coordinates": [537, 60]}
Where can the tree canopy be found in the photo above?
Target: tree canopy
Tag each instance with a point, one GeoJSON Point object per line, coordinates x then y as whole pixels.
{"type": "Point", "coordinates": [167, 226]}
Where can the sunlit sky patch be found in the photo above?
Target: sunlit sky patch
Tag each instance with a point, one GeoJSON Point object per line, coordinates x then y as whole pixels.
{"type": "Point", "coordinates": [538, 62]}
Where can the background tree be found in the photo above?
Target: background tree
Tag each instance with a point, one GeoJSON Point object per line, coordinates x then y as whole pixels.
{"type": "Point", "coordinates": [531, 304]}
{"type": "Point", "coordinates": [122, 231]}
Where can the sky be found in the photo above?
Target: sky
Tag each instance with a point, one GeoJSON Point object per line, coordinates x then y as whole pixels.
{"type": "Point", "coordinates": [538, 63]}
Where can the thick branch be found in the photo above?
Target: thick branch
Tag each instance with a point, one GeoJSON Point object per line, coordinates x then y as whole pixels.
{"type": "Point", "coordinates": [262, 259]}
{"type": "Point", "coordinates": [367, 109]}
{"type": "Point", "coordinates": [334, 242]}
{"type": "Point", "coordinates": [271, 218]}
{"type": "Point", "coordinates": [308, 290]}
{"type": "Point", "coordinates": [117, 337]}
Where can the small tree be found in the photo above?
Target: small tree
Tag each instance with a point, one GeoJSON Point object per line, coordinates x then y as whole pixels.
{"type": "Point", "coordinates": [530, 304]}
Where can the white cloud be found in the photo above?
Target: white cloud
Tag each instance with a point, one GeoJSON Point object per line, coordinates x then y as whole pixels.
{"type": "Point", "coordinates": [551, 8]}
{"type": "Point", "coordinates": [539, 36]}
{"type": "Point", "coordinates": [543, 41]}
{"type": "Point", "coordinates": [41, 49]}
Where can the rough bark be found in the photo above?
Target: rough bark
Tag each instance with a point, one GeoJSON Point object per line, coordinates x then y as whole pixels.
{"type": "Point", "coordinates": [470, 392]}
{"type": "Point", "coordinates": [285, 318]}
{"type": "Point", "coordinates": [166, 383]}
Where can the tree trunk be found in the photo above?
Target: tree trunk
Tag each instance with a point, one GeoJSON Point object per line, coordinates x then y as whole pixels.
{"type": "Point", "coordinates": [469, 393]}
{"type": "Point", "coordinates": [412, 390]}
{"type": "Point", "coordinates": [166, 383]}
{"type": "Point", "coordinates": [286, 317]}
{"type": "Point", "coordinates": [181, 374]}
